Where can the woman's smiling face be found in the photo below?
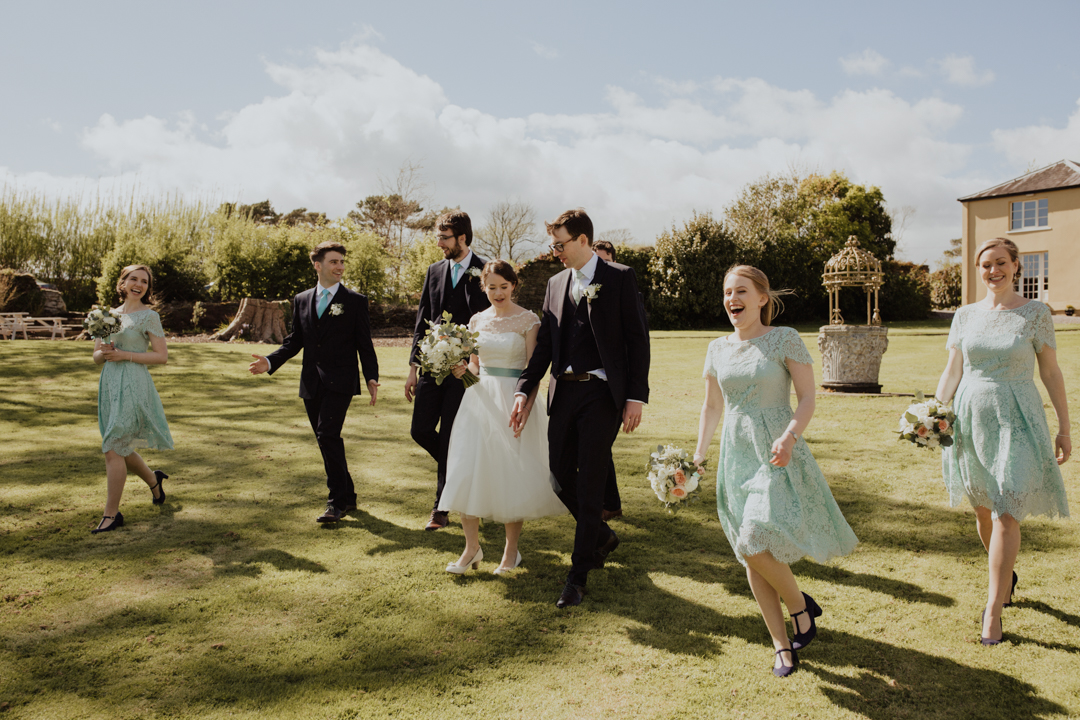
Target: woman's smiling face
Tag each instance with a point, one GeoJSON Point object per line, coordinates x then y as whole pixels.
{"type": "Point", "coordinates": [742, 300]}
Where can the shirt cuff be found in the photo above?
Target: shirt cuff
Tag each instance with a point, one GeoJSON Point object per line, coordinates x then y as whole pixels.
{"type": "Point", "coordinates": [637, 401]}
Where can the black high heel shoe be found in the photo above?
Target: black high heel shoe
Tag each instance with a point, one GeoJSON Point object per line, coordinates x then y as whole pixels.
{"type": "Point", "coordinates": [1009, 604]}
{"type": "Point", "coordinates": [161, 499]}
{"type": "Point", "coordinates": [117, 521]}
{"type": "Point", "coordinates": [784, 670]}
{"type": "Point", "coordinates": [801, 640]}
{"type": "Point", "coordinates": [986, 640]}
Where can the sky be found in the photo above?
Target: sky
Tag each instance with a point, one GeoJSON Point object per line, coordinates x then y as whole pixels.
{"type": "Point", "coordinates": [643, 113]}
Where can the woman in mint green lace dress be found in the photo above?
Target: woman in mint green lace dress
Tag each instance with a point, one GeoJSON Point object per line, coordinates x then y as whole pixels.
{"type": "Point", "coordinates": [1003, 459]}
{"type": "Point", "coordinates": [773, 502]}
{"type": "Point", "coordinates": [130, 414]}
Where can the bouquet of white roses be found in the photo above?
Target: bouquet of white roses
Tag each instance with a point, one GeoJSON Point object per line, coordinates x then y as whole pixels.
{"type": "Point", "coordinates": [100, 323]}
{"type": "Point", "coordinates": [443, 348]}
{"type": "Point", "coordinates": [927, 423]}
{"type": "Point", "coordinates": [672, 475]}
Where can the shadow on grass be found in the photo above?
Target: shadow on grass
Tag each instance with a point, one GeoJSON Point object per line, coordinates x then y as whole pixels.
{"type": "Point", "coordinates": [1061, 615]}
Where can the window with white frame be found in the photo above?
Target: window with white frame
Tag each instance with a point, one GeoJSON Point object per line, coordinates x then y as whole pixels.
{"type": "Point", "coordinates": [1035, 276]}
{"type": "Point", "coordinates": [1029, 214]}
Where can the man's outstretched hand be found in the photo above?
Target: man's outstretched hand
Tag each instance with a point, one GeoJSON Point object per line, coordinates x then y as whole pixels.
{"type": "Point", "coordinates": [259, 366]}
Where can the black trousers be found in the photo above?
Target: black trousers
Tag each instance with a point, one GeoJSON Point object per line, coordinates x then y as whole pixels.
{"type": "Point", "coordinates": [583, 425]}
{"type": "Point", "coordinates": [326, 413]}
{"type": "Point", "coordinates": [612, 501]}
{"type": "Point", "coordinates": [434, 409]}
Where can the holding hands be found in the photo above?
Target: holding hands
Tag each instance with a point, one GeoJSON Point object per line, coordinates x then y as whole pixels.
{"type": "Point", "coordinates": [520, 414]}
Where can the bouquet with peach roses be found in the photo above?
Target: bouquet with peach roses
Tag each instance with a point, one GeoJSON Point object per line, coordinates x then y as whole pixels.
{"type": "Point", "coordinates": [927, 423]}
{"type": "Point", "coordinates": [673, 476]}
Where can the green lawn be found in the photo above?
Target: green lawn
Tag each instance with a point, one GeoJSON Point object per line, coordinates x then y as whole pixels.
{"type": "Point", "coordinates": [230, 601]}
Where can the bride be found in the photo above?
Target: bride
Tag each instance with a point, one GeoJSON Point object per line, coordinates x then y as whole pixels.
{"type": "Point", "coordinates": [491, 472]}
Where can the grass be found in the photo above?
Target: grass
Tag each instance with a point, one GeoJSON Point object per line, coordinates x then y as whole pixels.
{"type": "Point", "coordinates": [229, 601]}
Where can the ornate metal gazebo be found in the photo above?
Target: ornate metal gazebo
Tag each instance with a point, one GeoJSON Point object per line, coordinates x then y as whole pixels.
{"type": "Point", "coordinates": [853, 267]}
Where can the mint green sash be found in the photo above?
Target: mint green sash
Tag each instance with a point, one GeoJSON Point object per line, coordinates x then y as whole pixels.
{"type": "Point", "coordinates": [500, 372]}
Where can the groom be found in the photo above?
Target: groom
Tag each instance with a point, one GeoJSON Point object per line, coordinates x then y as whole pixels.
{"type": "Point", "coordinates": [593, 336]}
{"type": "Point", "coordinates": [330, 324]}
{"type": "Point", "coordinates": [451, 285]}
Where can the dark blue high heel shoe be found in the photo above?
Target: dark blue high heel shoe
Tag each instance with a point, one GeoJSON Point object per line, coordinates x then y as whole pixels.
{"type": "Point", "coordinates": [801, 640]}
{"type": "Point", "coordinates": [986, 640]}
{"type": "Point", "coordinates": [1009, 604]}
{"type": "Point", "coordinates": [159, 500]}
{"type": "Point", "coordinates": [117, 521]}
{"type": "Point", "coordinates": [784, 670]}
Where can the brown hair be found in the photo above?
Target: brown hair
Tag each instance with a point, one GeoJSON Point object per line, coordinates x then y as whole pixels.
{"type": "Point", "coordinates": [1010, 247]}
{"type": "Point", "coordinates": [775, 306]}
{"type": "Point", "coordinates": [501, 268]}
{"type": "Point", "coordinates": [148, 298]}
{"type": "Point", "coordinates": [457, 222]}
{"type": "Point", "coordinates": [575, 221]}
{"type": "Point", "coordinates": [320, 250]}
{"type": "Point", "coordinates": [607, 247]}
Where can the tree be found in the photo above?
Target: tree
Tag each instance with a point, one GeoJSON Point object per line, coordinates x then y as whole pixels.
{"type": "Point", "coordinates": [618, 236]}
{"type": "Point", "coordinates": [510, 232]}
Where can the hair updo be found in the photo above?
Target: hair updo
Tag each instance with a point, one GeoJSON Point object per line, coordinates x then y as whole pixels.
{"type": "Point", "coordinates": [501, 268]}
{"type": "Point", "coordinates": [1010, 247]}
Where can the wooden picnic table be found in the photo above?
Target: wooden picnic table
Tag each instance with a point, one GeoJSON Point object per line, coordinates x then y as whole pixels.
{"type": "Point", "coordinates": [13, 322]}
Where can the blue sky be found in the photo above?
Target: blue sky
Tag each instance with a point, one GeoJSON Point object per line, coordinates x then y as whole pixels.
{"type": "Point", "coordinates": [641, 112]}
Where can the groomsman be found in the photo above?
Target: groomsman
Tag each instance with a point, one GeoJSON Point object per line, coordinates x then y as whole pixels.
{"type": "Point", "coordinates": [448, 286]}
{"type": "Point", "coordinates": [612, 501]}
{"type": "Point", "coordinates": [330, 324]}
{"type": "Point", "coordinates": [593, 337]}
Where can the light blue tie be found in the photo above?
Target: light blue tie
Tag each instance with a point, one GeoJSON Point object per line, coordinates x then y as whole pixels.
{"type": "Point", "coordinates": [324, 300]}
{"type": "Point", "coordinates": [579, 286]}
{"type": "Point", "coordinates": [454, 276]}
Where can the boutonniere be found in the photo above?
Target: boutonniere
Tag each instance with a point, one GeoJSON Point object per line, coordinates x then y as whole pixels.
{"type": "Point", "coordinates": [336, 309]}
{"type": "Point", "coordinates": [591, 292]}
{"type": "Point", "coordinates": [474, 272]}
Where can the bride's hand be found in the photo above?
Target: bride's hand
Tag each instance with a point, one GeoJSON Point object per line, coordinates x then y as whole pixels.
{"type": "Point", "coordinates": [523, 418]}
{"type": "Point", "coordinates": [460, 370]}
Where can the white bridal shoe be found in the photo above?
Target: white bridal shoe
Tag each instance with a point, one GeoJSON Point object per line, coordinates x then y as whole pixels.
{"type": "Point", "coordinates": [460, 569]}
{"type": "Point", "coordinates": [502, 571]}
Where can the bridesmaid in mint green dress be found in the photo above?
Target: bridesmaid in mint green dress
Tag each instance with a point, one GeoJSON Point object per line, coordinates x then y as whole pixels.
{"type": "Point", "coordinates": [1003, 459]}
{"type": "Point", "coordinates": [773, 501]}
{"type": "Point", "coordinates": [130, 414]}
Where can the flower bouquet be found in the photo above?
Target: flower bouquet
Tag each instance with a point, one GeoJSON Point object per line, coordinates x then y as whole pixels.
{"type": "Point", "coordinates": [927, 423]}
{"type": "Point", "coordinates": [443, 348]}
{"type": "Point", "coordinates": [101, 323]}
{"type": "Point", "coordinates": [673, 476]}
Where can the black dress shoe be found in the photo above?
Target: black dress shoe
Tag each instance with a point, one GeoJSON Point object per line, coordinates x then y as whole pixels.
{"type": "Point", "coordinates": [813, 610]}
{"type": "Point", "coordinates": [607, 548]}
{"type": "Point", "coordinates": [1009, 604]}
{"type": "Point", "coordinates": [117, 521]}
{"type": "Point", "coordinates": [571, 596]}
{"type": "Point", "coordinates": [159, 499]}
{"type": "Point", "coordinates": [331, 514]}
{"type": "Point", "coordinates": [785, 670]}
{"type": "Point", "coordinates": [611, 514]}
{"type": "Point", "coordinates": [350, 507]}
{"type": "Point", "coordinates": [438, 521]}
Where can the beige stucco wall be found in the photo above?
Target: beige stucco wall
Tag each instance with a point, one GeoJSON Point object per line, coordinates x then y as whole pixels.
{"type": "Point", "coordinates": [985, 219]}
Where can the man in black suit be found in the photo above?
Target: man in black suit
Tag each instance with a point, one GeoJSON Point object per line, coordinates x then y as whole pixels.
{"type": "Point", "coordinates": [593, 336]}
{"type": "Point", "coordinates": [330, 324]}
{"type": "Point", "coordinates": [452, 285]}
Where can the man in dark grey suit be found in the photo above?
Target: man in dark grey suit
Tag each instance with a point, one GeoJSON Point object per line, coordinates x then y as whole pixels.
{"type": "Point", "coordinates": [330, 324]}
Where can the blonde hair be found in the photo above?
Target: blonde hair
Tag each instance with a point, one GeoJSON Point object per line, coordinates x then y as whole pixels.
{"type": "Point", "coordinates": [775, 306]}
{"type": "Point", "coordinates": [148, 298]}
{"type": "Point", "coordinates": [1010, 247]}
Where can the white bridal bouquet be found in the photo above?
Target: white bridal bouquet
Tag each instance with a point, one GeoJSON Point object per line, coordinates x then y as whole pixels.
{"type": "Point", "coordinates": [443, 348]}
{"type": "Point", "coordinates": [927, 423]}
{"type": "Point", "coordinates": [673, 476]}
{"type": "Point", "coordinates": [101, 323]}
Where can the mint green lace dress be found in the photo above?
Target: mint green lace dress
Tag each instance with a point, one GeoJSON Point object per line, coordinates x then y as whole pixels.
{"type": "Point", "coordinates": [790, 511]}
{"type": "Point", "coordinates": [130, 414]}
{"type": "Point", "coordinates": [1002, 456]}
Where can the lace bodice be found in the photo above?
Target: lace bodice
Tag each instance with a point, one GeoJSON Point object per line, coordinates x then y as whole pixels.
{"type": "Point", "coordinates": [136, 329]}
{"type": "Point", "coordinates": [753, 373]}
{"type": "Point", "coordinates": [1000, 345]}
{"type": "Point", "coordinates": [502, 339]}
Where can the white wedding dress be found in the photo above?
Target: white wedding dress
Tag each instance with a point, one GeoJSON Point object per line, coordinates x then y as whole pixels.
{"type": "Point", "coordinates": [489, 473]}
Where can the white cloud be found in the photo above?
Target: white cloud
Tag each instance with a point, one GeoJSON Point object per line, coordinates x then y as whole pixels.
{"type": "Point", "coordinates": [960, 70]}
{"type": "Point", "coordinates": [53, 125]}
{"type": "Point", "coordinates": [1040, 144]}
{"type": "Point", "coordinates": [868, 62]}
{"type": "Point", "coordinates": [544, 51]}
{"type": "Point", "coordinates": [356, 114]}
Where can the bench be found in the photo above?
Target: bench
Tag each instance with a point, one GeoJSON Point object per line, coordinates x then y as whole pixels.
{"type": "Point", "coordinates": [11, 323]}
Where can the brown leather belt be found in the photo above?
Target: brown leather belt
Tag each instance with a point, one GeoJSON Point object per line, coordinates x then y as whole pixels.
{"type": "Point", "coordinates": [571, 377]}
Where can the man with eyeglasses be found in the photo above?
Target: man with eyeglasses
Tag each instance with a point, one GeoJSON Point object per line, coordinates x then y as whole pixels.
{"type": "Point", "coordinates": [594, 339]}
{"type": "Point", "coordinates": [448, 286]}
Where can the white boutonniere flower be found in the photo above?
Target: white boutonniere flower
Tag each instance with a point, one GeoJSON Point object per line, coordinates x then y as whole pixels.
{"type": "Point", "coordinates": [591, 292]}
{"type": "Point", "coordinates": [474, 272]}
{"type": "Point", "coordinates": [336, 309]}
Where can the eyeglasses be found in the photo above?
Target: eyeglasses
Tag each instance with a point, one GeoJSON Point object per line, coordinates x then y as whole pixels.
{"type": "Point", "coordinates": [557, 246]}
{"type": "Point", "coordinates": [444, 237]}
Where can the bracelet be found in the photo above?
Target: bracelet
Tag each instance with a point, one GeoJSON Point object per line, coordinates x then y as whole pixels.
{"type": "Point", "coordinates": [789, 432]}
{"type": "Point", "coordinates": [1064, 436]}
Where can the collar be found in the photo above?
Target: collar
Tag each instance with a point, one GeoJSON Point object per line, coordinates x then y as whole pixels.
{"type": "Point", "coordinates": [466, 261]}
{"type": "Point", "coordinates": [589, 269]}
{"type": "Point", "coordinates": [333, 289]}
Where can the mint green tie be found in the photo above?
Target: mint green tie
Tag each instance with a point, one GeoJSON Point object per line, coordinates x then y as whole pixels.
{"type": "Point", "coordinates": [456, 273]}
{"type": "Point", "coordinates": [324, 300]}
{"type": "Point", "coordinates": [579, 286]}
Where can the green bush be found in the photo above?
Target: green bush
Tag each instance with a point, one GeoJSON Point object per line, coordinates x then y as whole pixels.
{"type": "Point", "coordinates": [20, 293]}
{"type": "Point", "coordinates": [249, 259]}
{"type": "Point", "coordinates": [946, 286]}
{"type": "Point", "coordinates": [177, 268]}
{"type": "Point", "coordinates": [638, 258]}
{"type": "Point", "coordinates": [417, 260]}
{"type": "Point", "coordinates": [365, 262]}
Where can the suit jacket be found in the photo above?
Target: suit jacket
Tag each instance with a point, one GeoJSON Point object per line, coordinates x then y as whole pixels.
{"type": "Point", "coordinates": [618, 324]}
{"type": "Point", "coordinates": [331, 344]}
{"type": "Point", "coordinates": [437, 288]}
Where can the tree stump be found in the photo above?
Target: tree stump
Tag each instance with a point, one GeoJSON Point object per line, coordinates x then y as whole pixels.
{"type": "Point", "coordinates": [256, 321]}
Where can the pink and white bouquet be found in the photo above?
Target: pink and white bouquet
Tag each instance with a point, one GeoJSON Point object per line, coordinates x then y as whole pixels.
{"type": "Point", "coordinates": [443, 348]}
{"type": "Point", "coordinates": [928, 423]}
{"type": "Point", "coordinates": [673, 476]}
{"type": "Point", "coordinates": [101, 323]}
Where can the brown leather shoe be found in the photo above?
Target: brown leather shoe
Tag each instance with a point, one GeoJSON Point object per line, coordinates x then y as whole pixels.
{"type": "Point", "coordinates": [438, 520]}
{"type": "Point", "coordinates": [331, 514]}
{"type": "Point", "coordinates": [571, 596]}
{"type": "Point", "coordinates": [351, 507]}
{"type": "Point", "coordinates": [607, 548]}
{"type": "Point", "coordinates": [610, 514]}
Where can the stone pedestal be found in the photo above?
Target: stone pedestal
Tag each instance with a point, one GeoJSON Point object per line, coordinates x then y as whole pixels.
{"type": "Point", "coordinates": [851, 357]}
